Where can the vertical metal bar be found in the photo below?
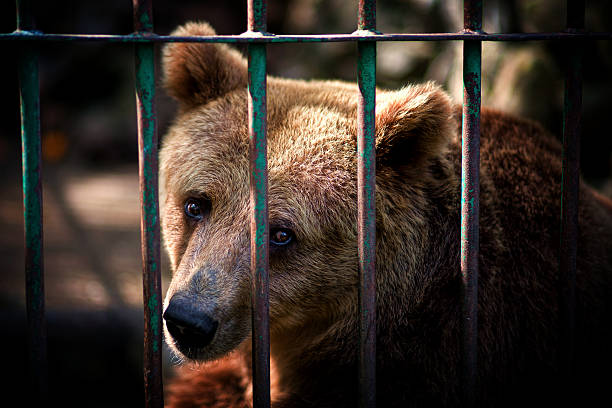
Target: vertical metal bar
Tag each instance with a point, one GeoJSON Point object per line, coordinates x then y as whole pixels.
{"type": "Point", "coordinates": [259, 208]}
{"type": "Point", "coordinates": [470, 193]}
{"type": "Point", "coordinates": [569, 192]}
{"type": "Point", "coordinates": [257, 15]}
{"type": "Point", "coordinates": [32, 214]}
{"type": "Point", "coordinates": [149, 212]}
{"type": "Point", "coordinates": [366, 204]}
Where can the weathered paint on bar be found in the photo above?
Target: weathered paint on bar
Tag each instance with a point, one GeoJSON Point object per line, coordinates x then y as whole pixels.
{"type": "Point", "coordinates": [149, 212]}
{"type": "Point", "coordinates": [366, 225]}
{"type": "Point", "coordinates": [470, 196]}
{"type": "Point", "coordinates": [32, 203]}
{"type": "Point", "coordinates": [367, 15]}
{"type": "Point", "coordinates": [260, 234]}
{"type": "Point", "coordinates": [366, 205]}
{"type": "Point", "coordinates": [143, 16]}
{"type": "Point", "coordinates": [259, 225]}
{"type": "Point", "coordinates": [32, 212]}
{"type": "Point", "coordinates": [472, 15]}
{"type": "Point", "coordinates": [149, 224]}
{"type": "Point", "coordinates": [570, 189]}
{"type": "Point", "coordinates": [470, 193]}
{"type": "Point", "coordinates": [257, 15]}
{"type": "Point", "coordinates": [270, 38]}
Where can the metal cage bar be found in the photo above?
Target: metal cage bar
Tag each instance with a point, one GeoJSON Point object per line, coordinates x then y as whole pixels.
{"type": "Point", "coordinates": [32, 214]}
{"type": "Point", "coordinates": [260, 242]}
{"type": "Point", "coordinates": [366, 204]}
{"type": "Point", "coordinates": [470, 195]}
{"type": "Point", "coordinates": [570, 191]}
{"type": "Point", "coordinates": [149, 206]}
{"type": "Point", "coordinates": [284, 38]}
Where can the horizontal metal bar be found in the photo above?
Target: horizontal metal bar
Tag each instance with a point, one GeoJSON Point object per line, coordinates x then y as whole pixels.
{"type": "Point", "coordinates": [358, 36]}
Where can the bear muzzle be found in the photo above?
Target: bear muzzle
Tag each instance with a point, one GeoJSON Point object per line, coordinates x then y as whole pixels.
{"type": "Point", "coordinates": [190, 327]}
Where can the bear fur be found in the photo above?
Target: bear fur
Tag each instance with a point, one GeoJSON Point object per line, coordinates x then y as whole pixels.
{"type": "Point", "coordinates": [313, 280]}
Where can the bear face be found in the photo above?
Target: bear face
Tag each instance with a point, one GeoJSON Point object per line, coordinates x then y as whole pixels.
{"type": "Point", "coordinates": [312, 167]}
{"type": "Point", "coordinates": [211, 255]}
{"type": "Point", "coordinates": [312, 189]}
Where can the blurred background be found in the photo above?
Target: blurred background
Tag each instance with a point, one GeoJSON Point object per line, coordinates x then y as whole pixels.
{"type": "Point", "coordinates": [90, 182]}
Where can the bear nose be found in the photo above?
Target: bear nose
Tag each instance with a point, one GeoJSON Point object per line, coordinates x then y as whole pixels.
{"type": "Point", "coordinates": [190, 327]}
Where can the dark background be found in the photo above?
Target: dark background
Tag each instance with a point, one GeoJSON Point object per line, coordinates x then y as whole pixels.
{"type": "Point", "coordinates": [88, 126]}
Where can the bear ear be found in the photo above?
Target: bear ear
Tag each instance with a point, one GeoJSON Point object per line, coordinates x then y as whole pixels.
{"type": "Point", "coordinates": [412, 125]}
{"type": "Point", "coordinates": [196, 73]}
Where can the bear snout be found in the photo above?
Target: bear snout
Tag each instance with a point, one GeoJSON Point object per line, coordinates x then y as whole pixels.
{"type": "Point", "coordinates": [188, 324]}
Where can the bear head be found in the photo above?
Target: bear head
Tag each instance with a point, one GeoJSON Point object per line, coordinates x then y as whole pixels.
{"type": "Point", "coordinates": [312, 167]}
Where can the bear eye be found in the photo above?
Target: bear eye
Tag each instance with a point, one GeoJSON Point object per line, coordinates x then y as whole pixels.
{"type": "Point", "coordinates": [195, 208]}
{"type": "Point", "coordinates": [280, 236]}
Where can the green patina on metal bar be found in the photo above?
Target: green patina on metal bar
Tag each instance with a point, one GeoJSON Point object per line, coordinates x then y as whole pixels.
{"type": "Point", "coordinates": [260, 242]}
{"type": "Point", "coordinates": [366, 204]}
{"type": "Point", "coordinates": [259, 225]}
{"type": "Point", "coordinates": [470, 196]}
{"type": "Point", "coordinates": [32, 202]}
{"type": "Point", "coordinates": [257, 14]}
{"type": "Point", "coordinates": [366, 18]}
{"type": "Point", "coordinates": [149, 213]}
{"type": "Point", "coordinates": [32, 214]}
{"type": "Point", "coordinates": [150, 236]}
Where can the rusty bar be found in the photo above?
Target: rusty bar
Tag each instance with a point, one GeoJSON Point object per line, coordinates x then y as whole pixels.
{"type": "Point", "coordinates": [259, 225]}
{"type": "Point", "coordinates": [470, 195]}
{"type": "Point", "coordinates": [569, 195]}
{"type": "Point", "coordinates": [260, 242]}
{"type": "Point", "coordinates": [143, 16]}
{"type": "Point", "coordinates": [472, 15]}
{"type": "Point", "coordinates": [367, 15]}
{"type": "Point", "coordinates": [149, 208]}
{"type": "Point", "coordinates": [32, 214]}
{"type": "Point", "coordinates": [257, 15]}
{"type": "Point", "coordinates": [366, 204]}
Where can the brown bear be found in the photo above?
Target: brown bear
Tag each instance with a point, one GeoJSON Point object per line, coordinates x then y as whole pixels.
{"type": "Point", "coordinates": [204, 183]}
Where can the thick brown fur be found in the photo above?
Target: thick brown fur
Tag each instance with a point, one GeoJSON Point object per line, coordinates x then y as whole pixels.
{"type": "Point", "coordinates": [313, 281]}
{"type": "Point", "coordinates": [223, 385]}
